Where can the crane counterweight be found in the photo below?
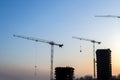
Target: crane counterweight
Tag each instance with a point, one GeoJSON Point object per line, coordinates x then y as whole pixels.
{"type": "Point", "coordinates": [61, 45]}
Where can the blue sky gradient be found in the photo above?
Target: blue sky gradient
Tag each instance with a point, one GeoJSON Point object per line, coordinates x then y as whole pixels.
{"type": "Point", "coordinates": [58, 21]}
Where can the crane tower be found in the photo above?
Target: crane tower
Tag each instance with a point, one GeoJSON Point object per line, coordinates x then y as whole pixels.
{"type": "Point", "coordinates": [93, 41]}
{"type": "Point", "coordinates": [44, 41]}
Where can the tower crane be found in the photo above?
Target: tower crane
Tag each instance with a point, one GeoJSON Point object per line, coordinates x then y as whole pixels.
{"type": "Point", "coordinates": [93, 41]}
{"type": "Point", "coordinates": [112, 16]}
{"type": "Point", "coordinates": [44, 41]}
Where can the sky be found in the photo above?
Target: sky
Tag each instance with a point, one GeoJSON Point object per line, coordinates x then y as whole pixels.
{"type": "Point", "coordinates": [58, 21]}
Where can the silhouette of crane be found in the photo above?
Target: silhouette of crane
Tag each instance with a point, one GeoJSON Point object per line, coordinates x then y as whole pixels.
{"type": "Point", "coordinates": [44, 41]}
{"type": "Point", "coordinates": [112, 16]}
{"type": "Point", "coordinates": [35, 73]}
{"type": "Point", "coordinates": [93, 41]}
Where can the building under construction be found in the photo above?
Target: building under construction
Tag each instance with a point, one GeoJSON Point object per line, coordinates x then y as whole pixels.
{"type": "Point", "coordinates": [104, 71]}
{"type": "Point", "coordinates": [64, 73]}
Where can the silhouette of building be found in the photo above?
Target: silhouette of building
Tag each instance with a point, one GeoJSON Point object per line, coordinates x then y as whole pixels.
{"type": "Point", "coordinates": [86, 77]}
{"type": "Point", "coordinates": [103, 64]}
{"type": "Point", "coordinates": [64, 73]}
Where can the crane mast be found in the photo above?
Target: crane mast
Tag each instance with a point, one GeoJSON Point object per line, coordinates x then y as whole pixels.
{"type": "Point", "coordinates": [44, 41]}
{"type": "Point", "coordinates": [93, 41]}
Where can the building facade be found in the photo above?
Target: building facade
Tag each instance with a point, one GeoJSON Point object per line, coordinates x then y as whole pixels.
{"type": "Point", "coordinates": [104, 71]}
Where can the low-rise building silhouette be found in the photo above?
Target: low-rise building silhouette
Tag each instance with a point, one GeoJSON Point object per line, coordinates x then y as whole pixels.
{"type": "Point", "coordinates": [64, 73]}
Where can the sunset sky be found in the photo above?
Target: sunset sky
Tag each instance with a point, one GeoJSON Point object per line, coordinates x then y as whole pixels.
{"type": "Point", "coordinates": [58, 21]}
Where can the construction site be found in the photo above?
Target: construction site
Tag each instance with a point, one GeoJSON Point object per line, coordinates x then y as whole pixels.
{"type": "Point", "coordinates": [60, 40]}
{"type": "Point", "coordinates": [101, 57]}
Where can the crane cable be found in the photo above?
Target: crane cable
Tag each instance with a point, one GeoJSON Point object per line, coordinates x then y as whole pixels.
{"type": "Point", "coordinates": [80, 47]}
{"type": "Point", "coordinates": [35, 60]}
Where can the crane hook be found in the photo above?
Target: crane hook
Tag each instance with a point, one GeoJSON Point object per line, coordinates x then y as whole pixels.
{"type": "Point", "coordinates": [80, 49]}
